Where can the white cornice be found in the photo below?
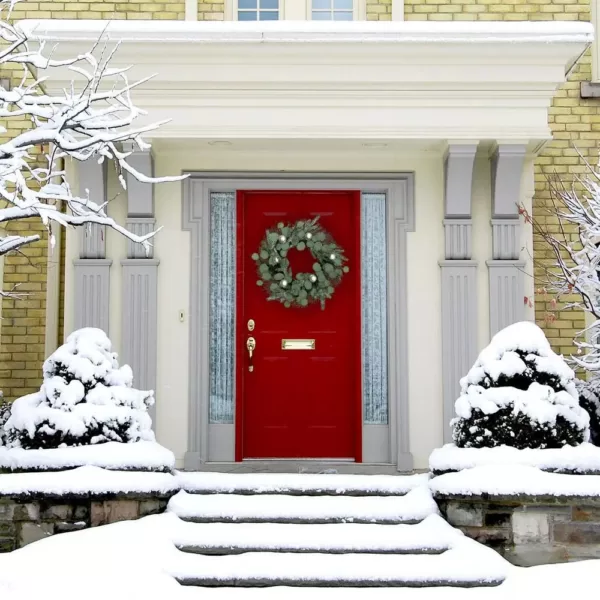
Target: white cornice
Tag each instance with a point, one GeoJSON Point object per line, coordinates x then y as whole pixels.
{"type": "Point", "coordinates": [334, 80]}
{"type": "Point", "coordinates": [480, 32]}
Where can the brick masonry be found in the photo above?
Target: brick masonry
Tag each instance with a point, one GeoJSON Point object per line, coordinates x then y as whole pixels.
{"type": "Point", "coordinates": [575, 124]}
{"type": "Point", "coordinates": [24, 520]}
{"type": "Point", "coordinates": [529, 531]}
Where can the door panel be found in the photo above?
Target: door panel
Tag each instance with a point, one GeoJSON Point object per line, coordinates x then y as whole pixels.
{"type": "Point", "coordinates": [299, 403]}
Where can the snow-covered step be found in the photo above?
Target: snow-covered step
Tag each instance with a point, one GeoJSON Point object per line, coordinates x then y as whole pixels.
{"type": "Point", "coordinates": [299, 484]}
{"type": "Point", "coordinates": [452, 568]}
{"type": "Point", "coordinates": [411, 508]}
{"type": "Point", "coordinates": [431, 536]}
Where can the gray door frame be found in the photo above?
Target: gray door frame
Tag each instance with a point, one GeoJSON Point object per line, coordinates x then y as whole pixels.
{"type": "Point", "coordinates": [212, 446]}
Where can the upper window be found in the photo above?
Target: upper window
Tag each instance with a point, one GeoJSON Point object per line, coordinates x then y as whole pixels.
{"type": "Point", "coordinates": [258, 10]}
{"type": "Point", "coordinates": [332, 10]}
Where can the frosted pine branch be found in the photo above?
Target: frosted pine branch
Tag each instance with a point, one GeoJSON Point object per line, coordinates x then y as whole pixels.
{"type": "Point", "coordinates": [91, 120]}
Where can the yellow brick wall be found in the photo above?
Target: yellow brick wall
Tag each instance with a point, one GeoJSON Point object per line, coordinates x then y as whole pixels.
{"type": "Point", "coordinates": [379, 10]}
{"type": "Point", "coordinates": [100, 9]}
{"type": "Point", "coordinates": [575, 125]}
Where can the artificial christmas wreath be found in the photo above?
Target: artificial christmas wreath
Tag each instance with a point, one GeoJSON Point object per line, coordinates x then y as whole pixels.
{"type": "Point", "coordinates": [300, 289]}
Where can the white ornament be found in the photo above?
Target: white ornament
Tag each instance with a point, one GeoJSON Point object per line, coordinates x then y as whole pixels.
{"type": "Point", "coordinates": [276, 260]}
{"type": "Point", "coordinates": [308, 235]}
{"type": "Point", "coordinates": [282, 238]}
{"type": "Point", "coordinates": [284, 283]}
{"type": "Point", "coordinates": [313, 278]}
{"type": "Point", "coordinates": [332, 257]}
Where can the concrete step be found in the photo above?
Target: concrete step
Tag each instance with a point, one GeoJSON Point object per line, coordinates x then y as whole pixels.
{"type": "Point", "coordinates": [431, 536]}
{"type": "Point", "coordinates": [267, 508]}
{"type": "Point", "coordinates": [299, 484]}
{"type": "Point", "coordinates": [266, 569]}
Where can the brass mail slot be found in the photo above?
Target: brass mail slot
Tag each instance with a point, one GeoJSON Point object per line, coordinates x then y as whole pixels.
{"type": "Point", "coordinates": [297, 344]}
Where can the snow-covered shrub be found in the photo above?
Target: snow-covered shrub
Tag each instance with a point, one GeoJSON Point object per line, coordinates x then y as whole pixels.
{"type": "Point", "coordinates": [519, 393]}
{"type": "Point", "coordinates": [4, 415]}
{"type": "Point", "coordinates": [85, 399]}
{"type": "Point", "coordinates": [589, 399]}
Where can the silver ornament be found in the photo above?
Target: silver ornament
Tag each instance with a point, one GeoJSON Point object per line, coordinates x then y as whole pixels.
{"type": "Point", "coordinates": [284, 283]}
{"type": "Point", "coordinates": [308, 235]}
{"type": "Point", "coordinates": [282, 238]}
{"type": "Point", "coordinates": [313, 278]}
{"type": "Point", "coordinates": [332, 257]}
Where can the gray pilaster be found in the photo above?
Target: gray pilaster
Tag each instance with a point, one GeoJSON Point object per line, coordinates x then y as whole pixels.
{"type": "Point", "coordinates": [459, 329]}
{"type": "Point", "coordinates": [506, 293]}
{"type": "Point", "coordinates": [139, 320]}
{"type": "Point", "coordinates": [92, 268]}
{"type": "Point", "coordinates": [92, 292]}
{"type": "Point", "coordinates": [139, 315]}
{"type": "Point", "coordinates": [92, 184]}
{"type": "Point", "coordinates": [506, 271]}
{"type": "Point", "coordinates": [459, 277]}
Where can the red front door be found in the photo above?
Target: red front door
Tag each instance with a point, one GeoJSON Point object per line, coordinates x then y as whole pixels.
{"type": "Point", "coordinates": [298, 403]}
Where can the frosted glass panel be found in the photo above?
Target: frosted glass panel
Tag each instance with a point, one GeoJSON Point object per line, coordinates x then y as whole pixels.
{"type": "Point", "coordinates": [374, 308]}
{"type": "Point", "coordinates": [222, 306]}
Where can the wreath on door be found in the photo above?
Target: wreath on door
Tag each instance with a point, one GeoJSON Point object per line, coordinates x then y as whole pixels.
{"type": "Point", "coordinates": [300, 289]}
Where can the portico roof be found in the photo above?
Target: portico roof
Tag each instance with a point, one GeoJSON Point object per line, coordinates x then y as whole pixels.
{"type": "Point", "coordinates": [337, 80]}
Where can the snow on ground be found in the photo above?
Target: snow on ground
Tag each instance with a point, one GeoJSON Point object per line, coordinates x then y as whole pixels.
{"type": "Point", "coordinates": [133, 560]}
{"type": "Point", "coordinates": [415, 506]}
{"type": "Point", "coordinates": [512, 480]}
{"type": "Point", "coordinates": [290, 483]}
{"type": "Point", "coordinates": [112, 455]}
{"type": "Point", "coordinates": [576, 459]}
{"type": "Point", "coordinates": [86, 481]}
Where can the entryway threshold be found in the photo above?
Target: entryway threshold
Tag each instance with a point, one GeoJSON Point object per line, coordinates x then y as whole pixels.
{"type": "Point", "coordinates": [302, 466]}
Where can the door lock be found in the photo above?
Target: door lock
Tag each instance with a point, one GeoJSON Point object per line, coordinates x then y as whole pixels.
{"type": "Point", "coordinates": [251, 325]}
{"type": "Point", "coordinates": [250, 346]}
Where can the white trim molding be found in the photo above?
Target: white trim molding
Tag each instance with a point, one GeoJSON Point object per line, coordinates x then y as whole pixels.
{"type": "Point", "coordinates": [336, 80]}
{"type": "Point", "coordinates": [214, 443]}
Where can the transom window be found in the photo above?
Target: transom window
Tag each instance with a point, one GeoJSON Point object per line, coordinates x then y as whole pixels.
{"type": "Point", "coordinates": [332, 10]}
{"type": "Point", "coordinates": [258, 10]}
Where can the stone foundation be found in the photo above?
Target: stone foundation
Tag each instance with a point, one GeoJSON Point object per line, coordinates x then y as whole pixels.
{"type": "Point", "coordinates": [25, 520]}
{"type": "Point", "coordinates": [529, 530]}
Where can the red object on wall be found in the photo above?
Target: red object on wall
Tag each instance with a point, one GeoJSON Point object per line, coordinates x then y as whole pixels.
{"type": "Point", "coordinates": [298, 403]}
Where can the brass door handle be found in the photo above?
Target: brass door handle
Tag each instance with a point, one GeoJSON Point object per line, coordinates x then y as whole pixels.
{"type": "Point", "coordinates": [250, 345]}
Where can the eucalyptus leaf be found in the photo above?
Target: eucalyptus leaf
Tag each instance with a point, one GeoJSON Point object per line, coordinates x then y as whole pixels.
{"type": "Point", "coordinates": [301, 246]}
{"type": "Point", "coordinates": [264, 254]}
{"type": "Point", "coordinates": [259, 282]}
{"type": "Point", "coordinates": [255, 256]}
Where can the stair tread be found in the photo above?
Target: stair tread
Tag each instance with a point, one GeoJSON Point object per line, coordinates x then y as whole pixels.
{"type": "Point", "coordinates": [431, 535]}
{"type": "Point", "coordinates": [413, 507]}
{"type": "Point", "coordinates": [299, 483]}
{"type": "Point", "coordinates": [461, 566]}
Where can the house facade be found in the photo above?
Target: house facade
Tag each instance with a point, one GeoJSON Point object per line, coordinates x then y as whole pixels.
{"type": "Point", "coordinates": [407, 146]}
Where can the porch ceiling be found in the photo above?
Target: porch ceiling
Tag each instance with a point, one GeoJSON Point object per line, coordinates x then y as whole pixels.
{"type": "Point", "coordinates": [337, 81]}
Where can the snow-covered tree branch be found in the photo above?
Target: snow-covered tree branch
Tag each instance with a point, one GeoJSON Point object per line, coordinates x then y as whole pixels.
{"type": "Point", "coordinates": [93, 119]}
{"type": "Point", "coordinates": [573, 235]}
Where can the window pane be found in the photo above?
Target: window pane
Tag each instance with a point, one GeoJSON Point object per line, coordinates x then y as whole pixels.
{"type": "Point", "coordinates": [222, 307]}
{"type": "Point", "coordinates": [321, 4]}
{"type": "Point", "coordinates": [269, 15]}
{"type": "Point", "coordinates": [321, 15]}
{"type": "Point", "coordinates": [247, 15]}
{"type": "Point", "coordinates": [342, 16]}
{"type": "Point", "coordinates": [247, 4]}
{"type": "Point", "coordinates": [272, 4]}
{"type": "Point", "coordinates": [342, 4]}
{"type": "Point", "coordinates": [374, 312]}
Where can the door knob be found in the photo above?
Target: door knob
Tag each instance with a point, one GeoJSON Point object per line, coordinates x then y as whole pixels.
{"type": "Point", "coordinates": [250, 346]}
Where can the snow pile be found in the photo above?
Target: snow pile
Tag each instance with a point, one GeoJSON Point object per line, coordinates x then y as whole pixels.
{"type": "Point", "coordinates": [519, 393]}
{"type": "Point", "coordinates": [141, 456]}
{"type": "Point", "coordinates": [514, 480]}
{"type": "Point", "coordinates": [86, 481]}
{"type": "Point", "coordinates": [85, 399]}
{"type": "Point", "coordinates": [568, 459]}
